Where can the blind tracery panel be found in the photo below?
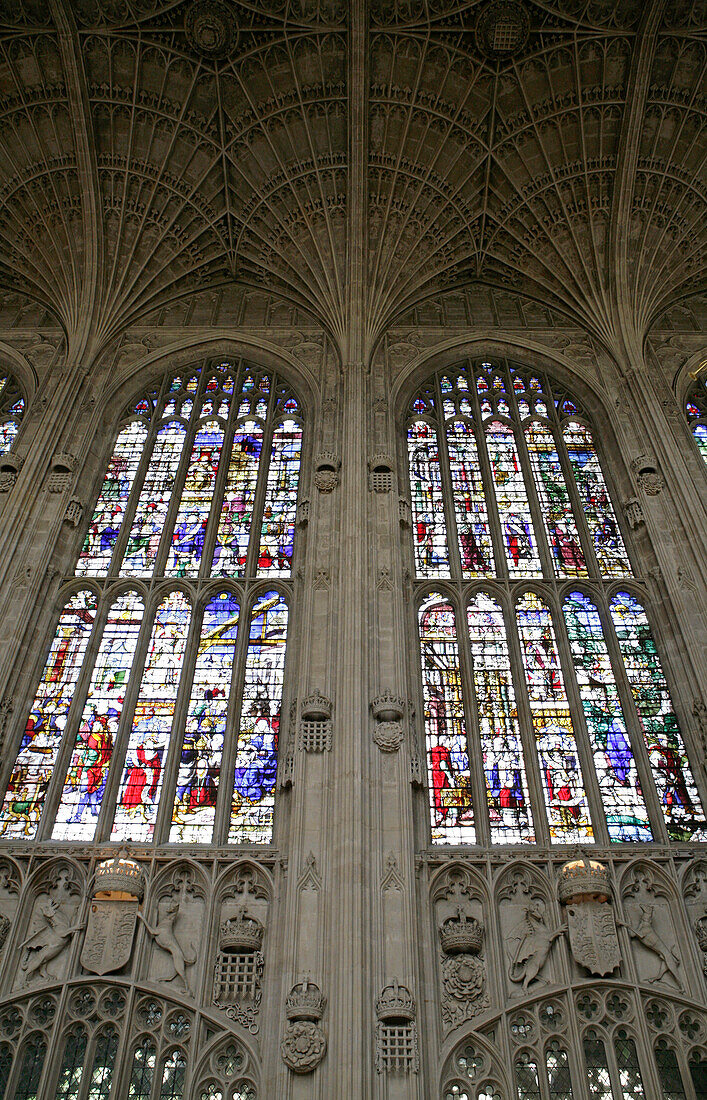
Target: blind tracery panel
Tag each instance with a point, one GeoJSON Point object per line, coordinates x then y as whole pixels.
{"type": "Point", "coordinates": [147, 695]}
{"type": "Point", "coordinates": [551, 698]}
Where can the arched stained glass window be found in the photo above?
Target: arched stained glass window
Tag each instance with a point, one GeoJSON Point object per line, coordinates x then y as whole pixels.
{"type": "Point", "coordinates": [541, 682]}
{"type": "Point", "coordinates": [12, 407]}
{"type": "Point", "coordinates": [150, 690]}
{"type": "Point", "coordinates": [696, 412]}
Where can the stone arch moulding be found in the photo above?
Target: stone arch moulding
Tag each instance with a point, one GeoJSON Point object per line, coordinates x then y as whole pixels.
{"type": "Point", "coordinates": [528, 353]}
{"type": "Point", "coordinates": [188, 351]}
{"type": "Point", "coordinates": [23, 371]}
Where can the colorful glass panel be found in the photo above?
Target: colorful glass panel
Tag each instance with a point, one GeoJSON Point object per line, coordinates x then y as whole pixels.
{"type": "Point", "coordinates": [277, 531]}
{"type": "Point", "coordinates": [108, 515]}
{"type": "Point", "coordinates": [678, 795]}
{"type": "Point", "coordinates": [202, 749]}
{"type": "Point", "coordinates": [195, 505]}
{"type": "Point", "coordinates": [8, 432]}
{"type": "Point", "coordinates": [560, 767]}
{"type": "Point", "coordinates": [596, 505]}
{"type": "Point", "coordinates": [449, 778]}
{"type": "Point", "coordinates": [85, 782]}
{"type": "Point", "coordinates": [512, 502]}
{"type": "Point", "coordinates": [502, 749]}
{"type": "Point", "coordinates": [256, 752]}
{"type": "Point", "coordinates": [475, 548]}
{"type": "Point", "coordinates": [28, 784]}
{"type": "Point", "coordinates": [622, 798]}
{"type": "Point", "coordinates": [233, 535]}
{"type": "Point", "coordinates": [696, 409]}
{"type": "Point", "coordinates": [563, 536]}
{"type": "Point", "coordinates": [151, 512]}
{"type": "Point", "coordinates": [12, 407]}
{"type": "Point", "coordinates": [152, 722]}
{"type": "Point", "coordinates": [429, 526]}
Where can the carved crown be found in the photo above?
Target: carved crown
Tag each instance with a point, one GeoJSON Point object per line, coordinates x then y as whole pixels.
{"type": "Point", "coordinates": [461, 935]}
{"type": "Point", "coordinates": [584, 876]}
{"type": "Point", "coordinates": [305, 1002]}
{"type": "Point", "coordinates": [241, 933]}
{"type": "Point", "coordinates": [316, 706]}
{"type": "Point", "coordinates": [388, 707]}
{"type": "Point", "coordinates": [327, 460]}
{"type": "Point", "coordinates": [122, 874]}
{"type": "Point", "coordinates": [396, 1002]}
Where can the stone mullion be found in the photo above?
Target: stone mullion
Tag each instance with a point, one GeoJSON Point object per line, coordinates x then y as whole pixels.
{"type": "Point", "coordinates": [73, 719]}
{"type": "Point", "coordinates": [163, 819]}
{"type": "Point", "coordinates": [584, 748]}
{"type": "Point", "coordinates": [633, 726]}
{"type": "Point", "coordinates": [224, 796]}
{"type": "Point", "coordinates": [525, 723]}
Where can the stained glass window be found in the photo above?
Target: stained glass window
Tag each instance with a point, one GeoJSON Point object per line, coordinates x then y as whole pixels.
{"type": "Point", "coordinates": [552, 701]}
{"type": "Point", "coordinates": [33, 1054]}
{"type": "Point", "coordinates": [101, 1076]}
{"type": "Point", "coordinates": [671, 1083]}
{"type": "Point", "coordinates": [143, 701]}
{"type": "Point", "coordinates": [71, 1071]}
{"type": "Point", "coordinates": [12, 407]}
{"type": "Point", "coordinates": [696, 411]}
{"type": "Point", "coordinates": [629, 1069]}
{"type": "Point", "coordinates": [558, 1073]}
{"type": "Point", "coordinates": [174, 1069]}
{"type": "Point", "coordinates": [143, 1070]}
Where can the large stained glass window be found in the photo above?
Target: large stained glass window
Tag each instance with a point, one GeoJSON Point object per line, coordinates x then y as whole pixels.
{"type": "Point", "coordinates": [156, 717]}
{"type": "Point", "coordinates": [548, 717]}
{"type": "Point", "coordinates": [696, 412]}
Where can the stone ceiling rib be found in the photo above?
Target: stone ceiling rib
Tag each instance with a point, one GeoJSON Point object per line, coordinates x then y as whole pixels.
{"type": "Point", "coordinates": [353, 158]}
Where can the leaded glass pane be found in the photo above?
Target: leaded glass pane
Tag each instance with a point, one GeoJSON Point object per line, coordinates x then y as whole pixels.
{"type": "Point", "coordinates": [629, 1070]}
{"type": "Point", "coordinates": [594, 496]}
{"type": "Point", "coordinates": [504, 764]}
{"type": "Point", "coordinates": [189, 532]}
{"type": "Point", "coordinates": [698, 1075]}
{"type": "Point", "coordinates": [527, 1080]}
{"type": "Point", "coordinates": [202, 748]}
{"type": "Point", "coordinates": [558, 1074]}
{"type": "Point", "coordinates": [696, 410]}
{"type": "Point", "coordinates": [12, 407]}
{"type": "Point", "coordinates": [622, 798]}
{"type": "Point", "coordinates": [231, 550]}
{"type": "Point", "coordinates": [563, 536]}
{"type": "Point", "coordinates": [47, 718]}
{"type": "Point", "coordinates": [598, 1076]}
{"type": "Point", "coordinates": [147, 526]}
{"type": "Point", "coordinates": [429, 526]}
{"type": "Point", "coordinates": [278, 525]}
{"type": "Point", "coordinates": [672, 774]}
{"type": "Point", "coordinates": [5, 1066]}
{"type": "Point", "coordinates": [256, 754]}
{"type": "Point", "coordinates": [475, 548]}
{"type": "Point", "coordinates": [85, 782]}
{"type": "Point", "coordinates": [71, 1071]}
{"type": "Point", "coordinates": [174, 1070]}
{"type": "Point", "coordinates": [109, 512]}
{"type": "Point", "coordinates": [671, 1083]}
{"type": "Point", "coordinates": [512, 502]}
{"type": "Point", "coordinates": [152, 722]}
{"type": "Point", "coordinates": [447, 756]}
{"type": "Point", "coordinates": [143, 1071]}
{"type": "Point", "coordinates": [33, 1052]}
{"type": "Point", "coordinates": [565, 797]}
{"type": "Point", "coordinates": [103, 1065]}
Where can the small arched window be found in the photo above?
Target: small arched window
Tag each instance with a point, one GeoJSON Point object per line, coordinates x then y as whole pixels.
{"type": "Point", "coordinates": [696, 412]}
{"type": "Point", "coordinates": [165, 674]}
{"type": "Point", "coordinates": [547, 711]}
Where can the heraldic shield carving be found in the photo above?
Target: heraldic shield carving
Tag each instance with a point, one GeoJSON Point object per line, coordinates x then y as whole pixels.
{"type": "Point", "coordinates": [109, 935]}
{"type": "Point", "coordinates": [593, 939]}
{"type": "Point", "coordinates": [112, 915]}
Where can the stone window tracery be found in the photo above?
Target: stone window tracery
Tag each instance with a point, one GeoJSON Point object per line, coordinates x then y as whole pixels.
{"type": "Point", "coordinates": [696, 413]}
{"type": "Point", "coordinates": [548, 715]}
{"type": "Point", "coordinates": [158, 683]}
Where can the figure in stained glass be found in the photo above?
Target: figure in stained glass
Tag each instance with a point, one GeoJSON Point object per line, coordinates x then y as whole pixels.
{"type": "Point", "coordinates": [696, 409]}
{"type": "Point", "coordinates": [233, 534]}
{"type": "Point", "coordinates": [594, 496]}
{"type": "Point", "coordinates": [195, 505]}
{"type": "Point", "coordinates": [430, 534]}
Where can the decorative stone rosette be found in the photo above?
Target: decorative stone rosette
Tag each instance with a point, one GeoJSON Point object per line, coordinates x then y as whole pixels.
{"type": "Point", "coordinates": [303, 1045]}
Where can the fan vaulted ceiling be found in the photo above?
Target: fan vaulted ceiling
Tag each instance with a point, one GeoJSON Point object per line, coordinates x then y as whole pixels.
{"type": "Point", "coordinates": [353, 156]}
